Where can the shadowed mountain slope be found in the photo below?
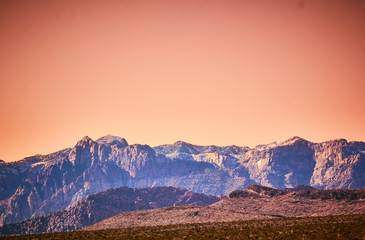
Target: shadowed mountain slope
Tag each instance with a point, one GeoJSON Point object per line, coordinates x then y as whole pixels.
{"type": "Point", "coordinates": [99, 206]}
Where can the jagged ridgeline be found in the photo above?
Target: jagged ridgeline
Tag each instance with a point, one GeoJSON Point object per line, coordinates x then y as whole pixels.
{"type": "Point", "coordinates": [43, 184]}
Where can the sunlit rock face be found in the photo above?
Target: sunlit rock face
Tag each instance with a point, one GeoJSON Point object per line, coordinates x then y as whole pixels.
{"type": "Point", "coordinates": [44, 184]}
{"type": "Point", "coordinates": [286, 164]}
{"type": "Point", "coordinates": [339, 164]}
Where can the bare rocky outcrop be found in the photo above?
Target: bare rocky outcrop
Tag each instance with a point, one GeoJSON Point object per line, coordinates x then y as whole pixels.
{"type": "Point", "coordinates": [257, 191]}
{"type": "Point", "coordinates": [300, 191]}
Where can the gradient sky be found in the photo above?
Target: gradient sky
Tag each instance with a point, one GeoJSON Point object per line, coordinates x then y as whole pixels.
{"type": "Point", "coordinates": [206, 72]}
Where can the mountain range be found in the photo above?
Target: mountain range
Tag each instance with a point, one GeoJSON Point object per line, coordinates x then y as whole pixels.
{"type": "Point", "coordinates": [44, 184]}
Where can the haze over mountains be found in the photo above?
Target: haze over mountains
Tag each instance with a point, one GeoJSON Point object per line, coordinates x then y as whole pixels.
{"type": "Point", "coordinates": [43, 184]}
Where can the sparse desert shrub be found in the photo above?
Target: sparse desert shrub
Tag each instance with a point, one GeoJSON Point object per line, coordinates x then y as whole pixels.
{"type": "Point", "coordinates": [328, 227]}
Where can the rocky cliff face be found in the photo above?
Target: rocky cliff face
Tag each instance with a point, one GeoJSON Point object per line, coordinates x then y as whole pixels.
{"type": "Point", "coordinates": [44, 184]}
{"type": "Point", "coordinates": [339, 164]}
{"type": "Point", "coordinates": [97, 207]}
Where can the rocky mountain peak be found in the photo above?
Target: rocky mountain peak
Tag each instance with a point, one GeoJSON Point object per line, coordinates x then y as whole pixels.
{"type": "Point", "coordinates": [109, 140]}
{"type": "Point", "coordinates": [185, 147]}
{"type": "Point", "coordinates": [84, 154]}
{"type": "Point", "coordinates": [336, 142]}
{"type": "Point", "coordinates": [139, 148]}
{"type": "Point", "coordinates": [85, 141]}
{"type": "Point", "coordinates": [294, 140]}
{"type": "Point", "coordinates": [181, 144]}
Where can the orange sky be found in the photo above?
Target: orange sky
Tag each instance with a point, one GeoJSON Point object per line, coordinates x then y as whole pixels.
{"type": "Point", "coordinates": [207, 72]}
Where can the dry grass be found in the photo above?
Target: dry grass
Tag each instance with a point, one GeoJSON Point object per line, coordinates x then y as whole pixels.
{"type": "Point", "coordinates": [173, 215]}
{"type": "Point", "coordinates": [327, 227]}
{"type": "Point", "coordinates": [234, 209]}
